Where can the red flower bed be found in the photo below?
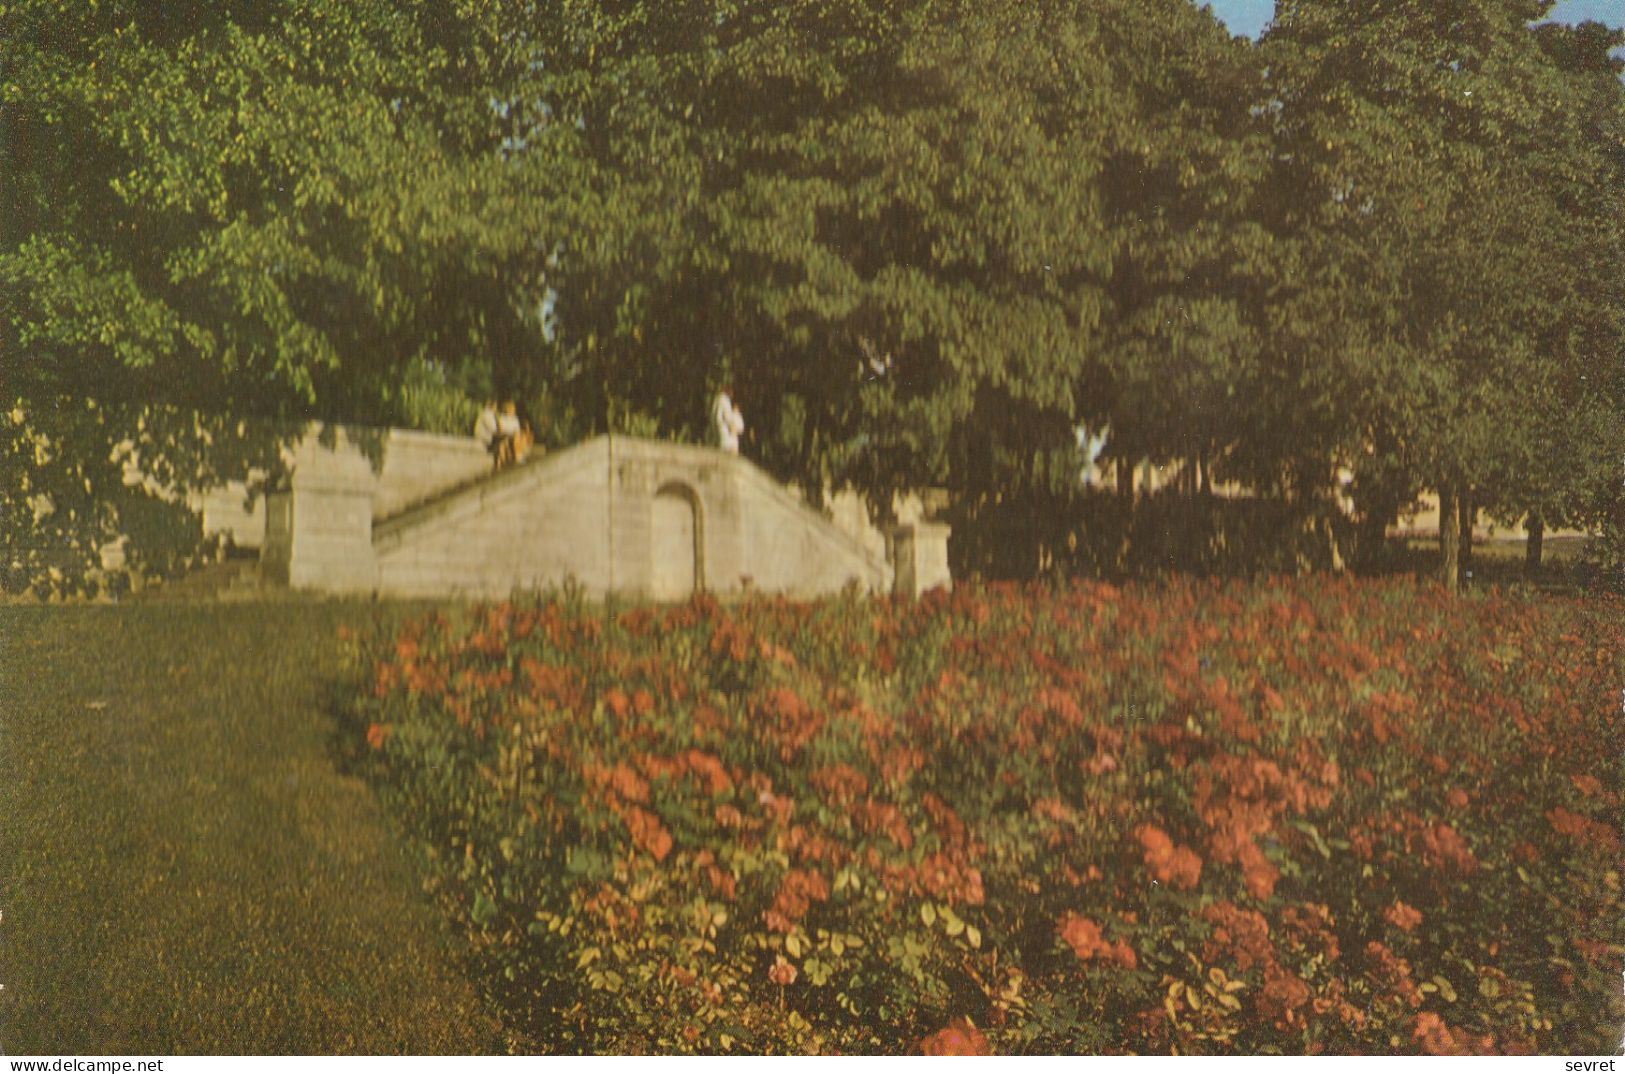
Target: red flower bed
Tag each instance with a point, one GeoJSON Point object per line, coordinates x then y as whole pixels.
{"type": "Point", "coordinates": [1298, 816]}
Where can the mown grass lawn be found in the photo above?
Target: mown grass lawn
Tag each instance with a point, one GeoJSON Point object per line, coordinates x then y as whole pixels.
{"type": "Point", "coordinates": [184, 866]}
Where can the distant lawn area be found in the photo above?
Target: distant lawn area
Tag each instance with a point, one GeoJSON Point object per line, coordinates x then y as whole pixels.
{"type": "Point", "coordinates": [184, 866]}
{"type": "Point", "coordinates": [1499, 561]}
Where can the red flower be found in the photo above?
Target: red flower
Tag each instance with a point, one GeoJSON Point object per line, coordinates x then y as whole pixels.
{"type": "Point", "coordinates": [1445, 846]}
{"type": "Point", "coordinates": [1283, 997]}
{"type": "Point", "coordinates": [1392, 974]}
{"type": "Point", "coordinates": [647, 832]}
{"type": "Point", "coordinates": [1052, 809]}
{"type": "Point", "coordinates": [1438, 1038]}
{"type": "Point", "coordinates": [841, 784]}
{"type": "Point", "coordinates": [1082, 935]}
{"type": "Point", "coordinates": [1457, 798]}
{"type": "Point", "coordinates": [1310, 926]}
{"type": "Point", "coordinates": [1402, 917]}
{"type": "Point", "coordinates": [1089, 943]}
{"type": "Point", "coordinates": [958, 1038]}
{"type": "Point", "coordinates": [1155, 841]}
{"type": "Point", "coordinates": [1581, 828]}
{"type": "Point", "coordinates": [1169, 864]}
{"type": "Point", "coordinates": [378, 734]}
{"type": "Point", "coordinates": [1258, 872]}
{"type": "Point", "coordinates": [1245, 933]}
{"type": "Point", "coordinates": [711, 770]}
{"type": "Point", "coordinates": [799, 890]}
{"type": "Point", "coordinates": [783, 973]}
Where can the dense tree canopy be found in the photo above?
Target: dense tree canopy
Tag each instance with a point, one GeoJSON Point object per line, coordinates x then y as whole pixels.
{"type": "Point", "coordinates": [1451, 171]}
{"type": "Point", "coordinates": [926, 241]}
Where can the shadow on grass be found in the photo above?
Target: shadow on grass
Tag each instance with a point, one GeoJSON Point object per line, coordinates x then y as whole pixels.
{"type": "Point", "coordinates": [1566, 570]}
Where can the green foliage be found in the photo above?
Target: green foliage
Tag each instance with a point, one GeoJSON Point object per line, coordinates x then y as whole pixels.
{"type": "Point", "coordinates": [80, 523]}
{"type": "Point", "coordinates": [1458, 316]}
{"type": "Point", "coordinates": [1283, 817]}
{"type": "Point", "coordinates": [1101, 535]}
{"type": "Point", "coordinates": [226, 217]}
{"type": "Point", "coordinates": [438, 400]}
{"type": "Point", "coordinates": [926, 241]}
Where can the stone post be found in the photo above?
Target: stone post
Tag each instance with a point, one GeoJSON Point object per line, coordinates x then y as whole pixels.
{"type": "Point", "coordinates": [920, 558]}
{"type": "Point", "coordinates": [319, 529]}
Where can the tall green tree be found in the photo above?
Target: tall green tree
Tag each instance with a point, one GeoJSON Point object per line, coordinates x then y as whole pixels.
{"type": "Point", "coordinates": [865, 215]}
{"type": "Point", "coordinates": [1417, 144]}
{"type": "Point", "coordinates": [924, 240]}
{"type": "Point", "coordinates": [1190, 263]}
{"type": "Point", "coordinates": [229, 212]}
{"type": "Point", "coordinates": [1568, 472]}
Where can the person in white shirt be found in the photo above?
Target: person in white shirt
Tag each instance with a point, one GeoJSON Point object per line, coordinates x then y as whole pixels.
{"type": "Point", "coordinates": [730, 422]}
{"type": "Point", "coordinates": [485, 427]}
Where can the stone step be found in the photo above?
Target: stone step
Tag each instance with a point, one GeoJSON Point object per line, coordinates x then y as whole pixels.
{"type": "Point", "coordinates": [389, 529]}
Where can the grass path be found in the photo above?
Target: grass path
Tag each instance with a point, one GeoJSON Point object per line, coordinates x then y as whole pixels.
{"type": "Point", "coordinates": [183, 866]}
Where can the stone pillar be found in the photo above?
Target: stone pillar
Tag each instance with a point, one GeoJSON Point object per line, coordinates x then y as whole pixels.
{"type": "Point", "coordinates": [277, 550]}
{"type": "Point", "coordinates": [920, 558]}
{"type": "Point", "coordinates": [319, 530]}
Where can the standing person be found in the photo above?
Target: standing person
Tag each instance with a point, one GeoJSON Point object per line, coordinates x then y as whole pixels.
{"type": "Point", "coordinates": [730, 422]}
{"type": "Point", "coordinates": [485, 427]}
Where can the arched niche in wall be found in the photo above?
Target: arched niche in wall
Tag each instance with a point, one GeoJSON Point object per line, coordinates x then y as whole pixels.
{"type": "Point", "coordinates": [676, 543]}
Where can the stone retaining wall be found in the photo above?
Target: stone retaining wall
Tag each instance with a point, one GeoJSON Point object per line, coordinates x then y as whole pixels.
{"type": "Point", "coordinates": [641, 518]}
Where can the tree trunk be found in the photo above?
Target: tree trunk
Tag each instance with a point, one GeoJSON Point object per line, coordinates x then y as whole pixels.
{"type": "Point", "coordinates": [1468, 511]}
{"type": "Point", "coordinates": [1372, 541]}
{"type": "Point", "coordinates": [1449, 538]}
{"type": "Point", "coordinates": [1125, 494]}
{"type": "Point", "coordinates": [1536, 527]}
{"type": "Point", "coordinates": [1329, 521]}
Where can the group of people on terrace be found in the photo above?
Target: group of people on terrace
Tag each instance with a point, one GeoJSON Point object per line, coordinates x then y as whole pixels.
{"type": "Point", "coordinates": [502, 432]}
{"type": "Point", "coordinates": [509, 438]}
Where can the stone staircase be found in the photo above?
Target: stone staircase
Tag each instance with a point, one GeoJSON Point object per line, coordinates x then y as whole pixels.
{"type": "Point", "coordinates": [438, 503]}
{"type": "Point", "coordinates": [614, 514]}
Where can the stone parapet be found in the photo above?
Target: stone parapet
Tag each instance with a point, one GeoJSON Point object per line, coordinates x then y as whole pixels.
{"type": "Point", "coordinates": [622, 515]}
{"type": "Point", "coordinates": [920, 558]}
{"type": "Point", "coordinates": [319, 529]}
